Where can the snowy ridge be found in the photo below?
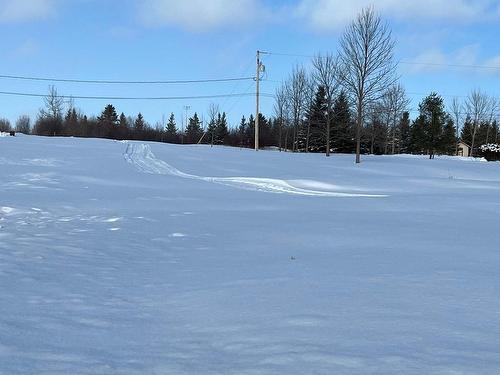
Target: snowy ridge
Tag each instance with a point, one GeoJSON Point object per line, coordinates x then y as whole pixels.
{"type": "Point", "coordinates": [144, 160]}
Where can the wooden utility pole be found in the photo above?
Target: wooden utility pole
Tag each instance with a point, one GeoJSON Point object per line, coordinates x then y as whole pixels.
{"type": "Point", "coordinates": [260, 69]}
{"type": "Point", "coordinates": [257, 81]}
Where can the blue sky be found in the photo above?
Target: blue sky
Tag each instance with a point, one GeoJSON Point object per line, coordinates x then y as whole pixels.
{"type": "Point", "coordinates": [198, 39]}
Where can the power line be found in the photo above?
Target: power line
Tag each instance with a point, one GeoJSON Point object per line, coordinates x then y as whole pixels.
{"type": "Point", "coordinates": [287, 54]}
{"type": "Point", "coordinates": [450, 65]}
{"type": "Point", "coordinates": [405, 62]}
{"type": "Point", "coordinates": [112, 82]}
{"type": "Point", "coordinates": [132, 98]}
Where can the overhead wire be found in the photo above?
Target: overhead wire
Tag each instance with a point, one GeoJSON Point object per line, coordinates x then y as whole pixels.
{"type": "Point", "coordinates": [132, 98]}
{"type": "Point", "coordinates": [115, 82]}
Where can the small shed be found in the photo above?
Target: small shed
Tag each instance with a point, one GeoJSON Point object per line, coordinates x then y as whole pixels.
{"type": "Point", "coordinates": [464, 149]}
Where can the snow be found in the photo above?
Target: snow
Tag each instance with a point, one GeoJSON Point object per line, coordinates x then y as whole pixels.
{"type": "Point", "coordinates": [144, 258]}
{"type": "Point", "coordinates": [491, 147]}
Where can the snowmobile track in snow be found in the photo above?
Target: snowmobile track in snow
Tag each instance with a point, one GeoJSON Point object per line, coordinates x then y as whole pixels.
{"type": "Point", "coordinates": [143, 159]}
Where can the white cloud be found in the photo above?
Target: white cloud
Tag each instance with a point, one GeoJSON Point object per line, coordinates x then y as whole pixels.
{"type": "Point", "coordinates": [333, 15]}
{"type": "Point", "coordinates": [200, 15]}
{"type": "Point", "coordinates": [435, 60]}
{"type": "Point", "coordinates": [432, 60]}
{"type": "Point", "coordinates": [28, 48]}
{"type": "Point", "coordinates": [12, 11]}
{"type": "Point", "coordinates": [494, 62]}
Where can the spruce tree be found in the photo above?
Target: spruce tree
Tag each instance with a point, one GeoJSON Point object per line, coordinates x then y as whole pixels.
{"type": "Point", "coordinates": [123, 127]}
{"type": "Point", "coordinates": [221, 131]}
{"type": "Point", "coordinates": [242, 132]}
{"type": "Point", "coordinates": [194, 130]}
{"type": "Point", "coordinates": [449, 138]}
{"type": "Point", "coordinates": [250, 130]}
{"type": "Point", "coordinates": [316, 116]}
{"type": "Point", "coordinates": [107, 122]}
{"type": "Point", "coordinates": [342, 131]}
{"type": "Point", "coordinates": [70, 124]}
{"type": "Point", "coordinates": [139, 126]}
{"type": "Point", "coordinates": [467, 130]}
{"type": "Point", "coordinates": [432, 120]}
{"type": "Point", "coordinates": [405, 133]}
{"type": "Point", "coordinates": [211, 131]}
{"type": "Point", "coordinates": [171, 130]}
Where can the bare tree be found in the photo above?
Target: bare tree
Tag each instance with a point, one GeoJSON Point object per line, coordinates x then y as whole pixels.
{"type": "Point", "coordinates": [326, 74]}
{"type": "Point", "coordinates": [456, 110]}
{"type": "Point", "coordinates": [395, 102]}
{"type": "Point", "coordinates": [476, 104]}
{"type": "Point", "coordinates": [280, 107]}
{"type": "Point", "coordinates": [366, 63]}
{"type": "Point", "coordinates": [310, 88]}
{"type": "Point", "coordinates": [4, 125]}
{"type": "Point", "coordinates": [213, 112]}
{"type": "Point", "coordinates": [23, 124]}
{"type": "Point", "coordinates": [54, 105]}
{"type": "Point", "coordinates": [493, 107]}
{"type": "Point", "coordinates": [297, 95]}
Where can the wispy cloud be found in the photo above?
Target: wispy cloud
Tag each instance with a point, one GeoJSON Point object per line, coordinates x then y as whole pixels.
{"type": "Point", "coordinates": [436, 60]}
{"type": "Point", "coordinates": [13, 11]}
{"type": "Point", "coordinates": [333, 15]}
{"type": "Point", "coordinates": [28, 48]}
{"type": "Point", "coordinates": [200, 15]}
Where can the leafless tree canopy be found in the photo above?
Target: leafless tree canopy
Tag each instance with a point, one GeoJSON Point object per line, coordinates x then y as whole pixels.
{"type": "Point", "coordinates": [296, 88]}
{"type": "Point", "coordinates": [4, 125]}
{"type": "Point", "coordinates": [23, 124]}
{"type": "Point", "coordinates": [366, 62]}
{"type": "Point", "coordinates": [394, 102]}
{"type": "Point", "coordinates": [456, 109]}
{"type": "Point", "coordinates": [280, 109]}
{"type": "Point", "coordinates": [54, 105]}
{"type": "Point", "coordinates": [326, 74]}
{"type": "Point", "coordinates": [213, 111]}
{"type": "Point", "coordinates": [476, 104]}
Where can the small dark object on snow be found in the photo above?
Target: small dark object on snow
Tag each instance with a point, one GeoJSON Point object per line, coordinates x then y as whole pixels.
{"type": "Point", "coordinates": [292, 258]}
{"type": "Point", "coordinates": [12, 133]}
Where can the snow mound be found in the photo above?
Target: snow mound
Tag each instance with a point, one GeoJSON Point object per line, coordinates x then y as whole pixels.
{"type": "Point", "coordinates": [143, 159]}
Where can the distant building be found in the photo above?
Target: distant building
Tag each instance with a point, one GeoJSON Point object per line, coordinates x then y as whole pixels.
{"type": "Point", "coordinates": [464, 149]}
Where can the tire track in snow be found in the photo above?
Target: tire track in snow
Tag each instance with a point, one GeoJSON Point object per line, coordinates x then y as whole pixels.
{"type": "Point", "coordinates": [142, 158]}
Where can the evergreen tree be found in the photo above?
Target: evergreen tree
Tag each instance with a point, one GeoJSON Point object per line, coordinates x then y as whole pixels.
{"type": "Point", "coordinates": [221, 131]}
{"type": "Point", "coordinates": [432, 119]}
{"type": "Point", "coordinates": [107, 122]}
{"type": "Point", "coordinates": [171, 130]}
{"type": "Point", "coordinates": [123, 127]}
{"type": "Point", "coordinates": [70, 124]}
{"type": "Point", "coordinates": [265, 133]}
{"type": "Point", "coordinates": [139, 124]}
{"type": "Point", "coordinates": [250, 131]}
{"type": "Point", "coordinates": [405, 133]}
{"type": "Point", "coordinates": [417, 135]}
{"type": "Point", "coordinates": [194, 130]}
{"type": "Point", "coordinates": [467, 130]}
{"type": "Point", "coordinates": [494, 128]}
{"type": "Point", "coordinates": [211, 131]}
{"type": "Point", "coordinates": [449, 138]}
{"type": "Point", "coordinates": [242, 132]}
{"type": "Point", "coordinates": [342, 132]}
{"type": "Point", "coordinates": [316, 116]}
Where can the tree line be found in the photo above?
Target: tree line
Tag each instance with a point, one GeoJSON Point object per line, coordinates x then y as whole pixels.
{"type": "Point", "coordinates": [350, 101]}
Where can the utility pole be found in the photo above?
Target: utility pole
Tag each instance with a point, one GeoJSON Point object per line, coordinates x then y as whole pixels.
{"type": "Point", "coordinates": [260, 69]}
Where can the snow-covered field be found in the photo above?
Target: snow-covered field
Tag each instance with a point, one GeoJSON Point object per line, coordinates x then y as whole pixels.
{"type": "Point", "coordinates": [137, 258]}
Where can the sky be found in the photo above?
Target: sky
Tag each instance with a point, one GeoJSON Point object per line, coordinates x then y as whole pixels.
{"type": "Point", "coordinates": [151, 40]}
